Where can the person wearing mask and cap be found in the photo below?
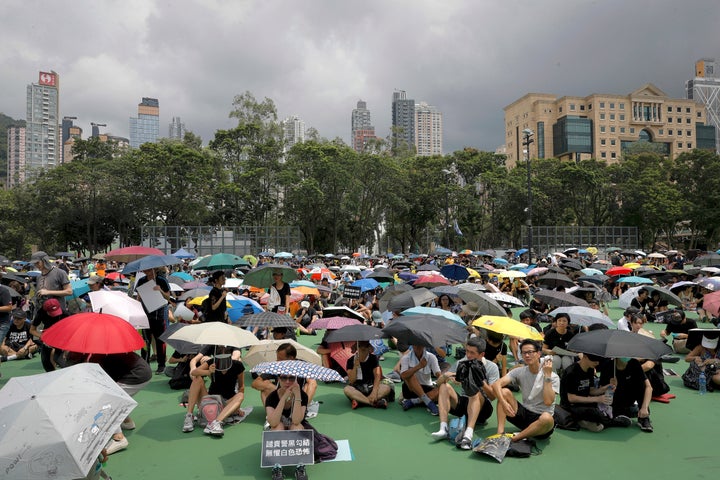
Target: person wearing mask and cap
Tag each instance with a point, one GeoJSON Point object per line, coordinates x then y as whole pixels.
{"type": "Point", "coordinates": [677, 329]}
{"type": "Point", "coordinates": [52, 283]}
{"type": "Point", "coordinates": [305, 316]}
{"type": "Point", "coordinates": [18, 342]}
{"type": "Point", "coordinates": [704, 358]}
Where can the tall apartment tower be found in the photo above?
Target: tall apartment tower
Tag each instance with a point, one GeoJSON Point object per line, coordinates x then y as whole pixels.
{"type": "Point", "coordinates": [15, 155]}
{"type": "Point", "coordinates": [42, 134]}
{"type": "Point", "coordinates": [293, 131]}
{"type": "Point", "coordinates": [361, 128]}
{"type": "Point", "coordinates": [146, 127]}
{"type": "Point", "coordinates": [177, 129]}
{"type": "Point", "coordinates": [428, 130]}
{"type": "Point", "coordinates": [705, 89]}
{"type": "Point", "coordinates": [403, 119]}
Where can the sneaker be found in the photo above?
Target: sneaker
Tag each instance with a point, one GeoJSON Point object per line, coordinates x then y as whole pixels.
{"type": "Point", "coordinates": [160, 370]}
{"type": "Point", "coordinates": [645, 424]}
{"type": "Point", "coordinates": [214, 428]}
{"type": "Point", "coordinates": [116, 445]}
{"type": "Point", "coordinates": [189, 423]}
{"type": "Point", "coordinates": [312, 409]}
{"type": "Point", "coordinates": [407, 404]}
{"type": "Point", "coordinates": [382, 403]}
{"type": "Point", "coordinates": [465, 443]}
{"type": "Point", "coordinates": [432, 408]}
{"type": "Point", "coordinates": [277, 473]}
{"type": "Point", "coordinates": [128, 424]}
{"type": "Point", "coordinates": [621, 421]}
{"type": "Point", "coordinates": [591, 426]}
{"type": "Point", "coordinates": [441, 434]}
{"type": "Point", "coordinates": [300, 473]}
{"type": "Point", "coordinates": [354, 404]}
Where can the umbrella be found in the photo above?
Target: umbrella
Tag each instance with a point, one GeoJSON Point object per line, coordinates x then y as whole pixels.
{"type": "Point", "coordinates": [518, 266]}
{"type": "Point", "coordinates": [507, 326]}
{"type": "Point", "coordinates": [537, 271]}
{"type": "Point", "coordinates": [121, 305]}
{"type": "Point", "coordinates": [182, 253]}
{"type": "Point", "coordinates": [391, 292]}
{"type": "Point", "coordinates": [683, 284]}
{"type": "Point", "coordinates": [302, 283]}
{"type": "Point", "coordinates": [181, 346]}
{"type": "Point", "coordinates": [618, 343]}
{"type": "Point", "coordinates": [408, 276]}
{"type": "Point", "coordinates": [665, 294]}
{"type": "Point", "coordinates": [709, 260]}
{"type": "Point", "coordinates": [350, 269]}
{"type": "Point", "coordinates": [486, 304]}
{"type": "Point", "coordinates": [710, 283]}
{"type": "Point", "coordinates": [366, 284]}
{"type": "Point", "coordinates": [428, 330]}
{"type": "Point", "coordinates": [241, 307]}
{"type": "Point", "coordinates": [64, 254]}
{"type": "Point", "coordinates": [196, 284]}
{"type": "Point", "coordinates": [428, 267]}
{"type": "Point", "coordinates": [695, 336]}
{"type": "Point", "coordinates": [196, 292]}
{"type": "Point", "coordinates": [355, 333]}
{"type": "Point", "coordinates": [298, 368]}
{"type": "Point", "coordinates": [232, 283]}
{"type": "Point", "coordinates": [181, 277]}
{"type": "Point", "coordinates": [450, 290]}
{"type": "Point", "coordinates": [92, 332]}
{"type": "Point", "coordinates": [595, 279]}
{"type": "Point", "coordinates": [116, 277]}
{"type": "Point", "coordinates": [559, 299]}
{"type": "Point", "coordinates": [585, 316]}
{"type": "Point", "coordinates": [128, 254]}
{"type": "Point", "coordinates": [333, 323]}
{"type": "Point", "coordinates": [618, 271]}
{"type": "Point", "coordinates": [55, 424]}
{"type": "Point", "coordinates": [635, 280]}
{"type": "Point", "coordinates": [591, 271]}
{"type": "Point", "coordinates": [506, 299]}
{"type": "Point", "coordinates": [79, 287]}
{"type": "Point", "coordinates": [283, 255]}
{"type": "Point", "coordinates": [306, 291]}
{"type": "Point", "coordinates": [455, 272]}
{"type": "Point", "coordinates": [555, 280]}
{"type": "Point", "coordinates": [656, 255]}
{"type": "Point", "coordinates": [215, 333]}
{"type": "Point", "coordinates": [261, 277]}
{"type": "Point", "coordinates": [220, 261]}
{"type": "Point", "coordinates": [381, 275]}
{"type": "Point", "coordinates": [432, 280]}
{"type": "Point", "coordinates": [342, 312]}
{"type": "Point", "coordinates": [511, 274]}
{"type": "Point", "coordinates": [318, 273]}
{"type": "Point", "coordinates": [412, 298]}
{"type": "Point", "coordinates": [500, 261]}
{"type": "Point", "coordinates": [266, 351]}
{"type": "Point", "coordinates": [266, 319]}
{"type": "Point", "coordinates": [149, 262]}
{"type": "Point", "coordinates": [434, 311]}
{"type": "Point", "coordinates": [711, 303]}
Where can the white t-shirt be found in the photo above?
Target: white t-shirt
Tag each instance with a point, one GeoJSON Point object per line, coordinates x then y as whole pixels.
{"type": "Point", "coordinates": [531, 386]}
{"type": "Point", "coordinates": [424, 375]}
{"type": "Point", "coordinates": [623, 324]}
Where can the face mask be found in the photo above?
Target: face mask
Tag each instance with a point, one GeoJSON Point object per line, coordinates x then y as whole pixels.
{"type": "Point", "coordinates": [624, 359]}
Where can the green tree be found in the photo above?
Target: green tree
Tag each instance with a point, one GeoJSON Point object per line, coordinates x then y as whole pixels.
{"type": "Point", "coordinates": [697, 174]}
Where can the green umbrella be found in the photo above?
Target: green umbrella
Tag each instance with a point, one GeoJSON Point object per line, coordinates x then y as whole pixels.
{"type": "Point", "coordinates": [220, 261]}
{"type": "Point", "coordinates": [262, 277]}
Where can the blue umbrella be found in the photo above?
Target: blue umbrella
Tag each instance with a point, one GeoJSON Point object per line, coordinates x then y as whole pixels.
{"type": "Point", "coordinates": [283, 255]}
{"type": "Point", "coordinates": [302, 283]}
{"type": "Point", "coordinates": [241, 307]}
{"type": "Point", "coordinates": [635, 280]}
{"type": "Point", "coordinates": [79, 287]}
{"type": "Point", "coordinates": [591, 271]}
{"type": "Point", "coordinates": [434, 311]}
{"type": "Point", "coordinates": [182, 253]}
{"type": "Point", "coordinates": [407, 276]}
{"type": "Point", "coordinates": [500, 261]}
{"type": "Point", "coordinates": [521, 251]}
{"type": "Point", "coordinates": [149, 262]}
{"type": "Point", "coordinates": [455, 272]}
{"type": "Point", "coordinates": [365, 284]}
{"type": "Point", "coordinates": [298, 368]}
{"type": "Point", "coordinates": [185, 277]}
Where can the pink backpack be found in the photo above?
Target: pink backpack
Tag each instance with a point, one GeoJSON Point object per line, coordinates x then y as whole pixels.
{"type": "Point", "coordinates": [210, 407]}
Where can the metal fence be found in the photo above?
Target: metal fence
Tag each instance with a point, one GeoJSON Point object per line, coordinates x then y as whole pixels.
{"type": "Point", "coordinates": [238, 240]}
{"type": "Point", "coordinates": [547, 239]}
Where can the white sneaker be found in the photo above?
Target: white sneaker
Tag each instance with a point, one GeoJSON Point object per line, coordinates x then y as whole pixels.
{"type": "Point", "coordinates": [189, 423]}
{"type": "Point", "coordinates": [440, 434]}
{"type": "Point", "coordinates": [312, 409]}
{"type": "Point", "coordinates": [128, 424]}
{"type": "Point", "coordinates": [116, 445]}
{"type": "Point", "coordinates": [214, 428]}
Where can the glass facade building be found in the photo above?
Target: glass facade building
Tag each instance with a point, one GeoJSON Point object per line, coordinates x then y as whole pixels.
{"type": "Point", "coordinates": [572, 135]}
{"type": "Point", "coordinates": [146, 127]}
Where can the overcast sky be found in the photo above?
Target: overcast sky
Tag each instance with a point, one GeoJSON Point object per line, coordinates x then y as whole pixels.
{"type": "Point", "coordinates": [316, 59]}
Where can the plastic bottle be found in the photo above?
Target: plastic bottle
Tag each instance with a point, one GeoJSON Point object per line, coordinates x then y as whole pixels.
{"type": "Point", "coordinates": [609, 394]}
{"type": "Point", "coordinates": [702, 383]}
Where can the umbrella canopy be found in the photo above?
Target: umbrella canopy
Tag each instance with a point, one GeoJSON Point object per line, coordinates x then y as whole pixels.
{"type": "Point", "coordinates": [559, 299]}
{"type": "Point", "coordinates": [455, 272]}
{"type": "Point", "coordinates": [571, 264]}
{"type": "Point", "coordinates": [283, 255]}
{"type": "Point", "coordinates": [709, 260]}
{"type": "Point", "coordinates": [355, 333]}
{"type": "Point", "coordinates": [149, 262]}
{"type": "Point", "coordinates": [485, 304]}
{"type": "Point", "coordinates": [182, 253]}
{"type": "Point", "coordinates": [55, 424]}
{"type": "Point", "coordinates": [434, 311]}
{"type": "Point", "coordinates": [216, 333]}
{"type": "Point", "coordinates": [181, 277]}
{"type": "Point", "coordinates": [618, 271]}
{"type": "Point", "coordinates": [181, 346]}
{"type": "Point", "coordinates": [266, 319]}
{"type": "Point", "coordinates": [591, 271]}
{"type": "Point", "coordinates": [711, 303]}
{"type": "Point", "coordinates": [128, 254]}
{"type": "Point", "coordinates": [635, 280]}
{"type": "Point", "coordinates": [507, 326]}
{"type": "Point", "coordinates": [241, 307]}
{"type": "Point", "coordinates": [333, 323]}
{"type": "Point", "coordinates": [585, 316]}
{"type": "Point", "coordinates": [342, 312]}
{"type": "Point", "coordinates": [366, 284]}
{"type": "Point", "coordinates": [665, 294]}
{"type": "Point", "coordinates": [512, 274]}
{"type": "Point", "coordinates": [504, 298]}
{"type": "Point", "coordinates": [121, 305]}
{"type": "Point", "coordinates": [262, 277]}
{"type": "Point", "coordinates": [79, 287]}
{"type": "Point", "coordinates": [381, 275]}
{"type": "Point", "coordinates": [431, 280]}
{"type": "Point", "coordinates": [220, 261]}
{"type": "Point", "coordinates": [555, 280]}
{"type": "Point", "coordinates": [412, 298]}
{"type": "Point", "coordinates": [93, 333]}
{"type": "Point", "coordinates": [710, 283]}
{"type": "Point", "coordinates": [428, 267]}
{"type": "Point", "coordinates": [196, 292]}
{"type": "Point", "coordinates": [298, 368]}
{"type": "Point", "coordinates": [266, 351]}
{"type": "Point", "coordinates": [391, 292]}
{"type": "Point", "coordinates": [450, 290]}
{"type": "Point", "coordinates": [536, 271]}
{"type": "Point", "coordinates": [428, 330]}
{"type": "Point", "coordinates": [618, 343]}
{"type": "Point", "coordinates": [595, 279]}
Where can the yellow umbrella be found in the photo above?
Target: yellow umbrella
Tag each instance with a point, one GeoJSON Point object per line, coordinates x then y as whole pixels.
{"type": "Point", "coordinates": [632, 265]}
{"type": "Point", "coordinates": [473, 273]}
{"type": "Point", "coordinates": [512, 274]}
{"type": "Point", "coordinates": [507, 326]}
{"type": "Point", "coordinates": [592, 250]}
{"type": "Point", "coordinates": [199, 300]}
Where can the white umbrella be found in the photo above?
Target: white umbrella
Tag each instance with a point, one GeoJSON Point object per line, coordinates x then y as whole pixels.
{"type": "Point", "coordinates": [505, 298]}
{"type": "Point", "coordinates": [233, 282]}
{"type": "Point", "coordinates": [55, 424]}
{"type": "Point", "coordinates": [627, 297]}
{"type": "Point", "coordinates": [119, 304]}
{"type": "Point", "coordinates": [215, 333]}
{"type": "Point", "coordinates": [266, 352]}
{"type": "Point", "coordinates": [656, 255]}
{"type": "Point", "coordinates": [585, 316]}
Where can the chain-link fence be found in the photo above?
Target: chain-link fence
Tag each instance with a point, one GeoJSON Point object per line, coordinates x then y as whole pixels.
{"type": "Point", "coordinates": [548, 239]}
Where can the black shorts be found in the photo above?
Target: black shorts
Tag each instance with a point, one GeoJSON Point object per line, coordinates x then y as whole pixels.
{"type": "Point", "coordinates": [407, 393]}
{"type": "Point", "coordinates": [461, 409]}
{"type": "Point", "coordinates": [524, 417]}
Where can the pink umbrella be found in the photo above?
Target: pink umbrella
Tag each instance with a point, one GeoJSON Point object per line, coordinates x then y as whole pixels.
{"type": "Point", "coordinates": [333, 323]}
{"type": "Point", "coordinates": [537, 271]}
{"type": "Point", "coordinates": [430, 281]}
{"type": "Point", "coordinates": [711, 303]}
{"type": "Point", "coordinates": [129, 254]}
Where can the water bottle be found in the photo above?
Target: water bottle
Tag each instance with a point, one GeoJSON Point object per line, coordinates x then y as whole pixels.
{"type": "Point", "coordinates": [609, 394]}
{"type": "Point", "coordinates": [702, 383]}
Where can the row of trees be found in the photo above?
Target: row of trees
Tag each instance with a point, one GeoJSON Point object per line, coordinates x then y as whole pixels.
{"type": "Point", "coordinates": [341, 199]}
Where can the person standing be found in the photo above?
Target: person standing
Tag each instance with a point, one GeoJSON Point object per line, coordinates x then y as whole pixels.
{"type": "Point", "coordinates": [157, 320]}
{"type": "Point", "coordinates": [51, 283]}
{"type": "Point", "coordinates": [217, 303]}
{"type": "Point", "coordinates": [279, 300]}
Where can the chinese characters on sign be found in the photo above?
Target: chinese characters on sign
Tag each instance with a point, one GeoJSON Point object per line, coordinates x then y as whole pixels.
{"type": "Point", "coordinates": [287, 447]}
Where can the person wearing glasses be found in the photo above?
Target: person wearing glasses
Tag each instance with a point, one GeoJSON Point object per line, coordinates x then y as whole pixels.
{"type": "Point", "coordinates": [539, 385]}
{"type": "Point", "coordinates": [286, 406]}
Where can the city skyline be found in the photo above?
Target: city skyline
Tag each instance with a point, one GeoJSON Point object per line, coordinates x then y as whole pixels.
{"type": "Point", "coordinates": [468, 59]}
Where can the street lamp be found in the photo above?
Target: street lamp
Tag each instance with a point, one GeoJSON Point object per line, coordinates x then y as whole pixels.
{"type": "Point", "coordinates": [527, 141]}
{"type": "Point", "coordinates": [446, 240]}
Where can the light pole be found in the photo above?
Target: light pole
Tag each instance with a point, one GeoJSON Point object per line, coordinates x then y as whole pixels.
{"type": "Point", "coordinates": [527, 141]}
{"type": "Point", "coordinates": [447, 208]}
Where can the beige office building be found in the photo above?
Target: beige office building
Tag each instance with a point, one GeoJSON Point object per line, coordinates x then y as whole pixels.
{"type": "Point", "coordinates": [602, 126]}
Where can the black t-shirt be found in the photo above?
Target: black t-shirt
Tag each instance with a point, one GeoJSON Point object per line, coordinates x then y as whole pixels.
{"type": "Point", "coordinates": [128, 368]}
{"type": "Point", "coordinates": [554, 339]}
{"type": "Point", "coordinates": [630, 382]}
{"type": "Point", "coordinates": [19, 336]}
{"type": "Point", "coordinates": [273, 400]}
{"type": "Point", "coordinates": [491, 351]}
{"type": "Point", "coordinates": [284, 292]}
{"type": "Point", "coordinates": [682, 327]}
{"type": "Point", "coordinates": [367, 368]}
{"type": "Point", "coordinates": [577, 382]}
{"type": "Point", "coordinates": [5, 300]}
{"type": "Point", "coordinates": [217, 315]}
{"type": "Point", "coordinates": [42, 318]}
{"type": "Point", "coordinates": [225, 383]}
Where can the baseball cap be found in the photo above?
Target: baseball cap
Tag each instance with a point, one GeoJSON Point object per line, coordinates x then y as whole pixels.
{"type": "Point", "coordinates": [95, 279]}
{"type": "Point", "coordinates": [37, 256]}
{"type": "Point", "coordinates": [19, 313]}
{"type": "Point", "coordinates": [304, 304]}
{"type": "Point", "coordinates": [52, 307]}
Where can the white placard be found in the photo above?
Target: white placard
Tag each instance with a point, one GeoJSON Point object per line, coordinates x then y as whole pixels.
{"type": "Point", "coordinates": [152, 299]}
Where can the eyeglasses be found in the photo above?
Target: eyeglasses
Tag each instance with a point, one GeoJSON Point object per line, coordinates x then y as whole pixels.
{"type": "Point", "coordinates": [287, 378]}
{"type": "Point", "coordinates": [527, 352]}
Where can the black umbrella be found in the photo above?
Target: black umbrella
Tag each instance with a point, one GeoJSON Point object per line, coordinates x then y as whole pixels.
{"type": "Point", "coordinates": [559, 299]}
{"type": "Point", "coordinates": [596, 279]}
{"type": "Point", "coordinates": [555, 280]}
{"type": "Point", "coordinates": [355, 333]}
{"type": "Point", "coordinates": [571, 264]}
{"type": "Point", "coordinates": [382, 275]}
{"type": "Point", "coordinates": [428, 330]}
{"type": "Point", "coordinates": [710, 260]}
{"type": "Point", "coordinates": [266, 319]}
{"type": "Point", "coordinates": [603, 267]}
{"type": "Point", "coordinates": [428, 267]}
{"type": "Point", "coordinates": [618, 343]}
{"type": "Point", "coordinates": [412, 298]}
{"type": "Point", "coordinates": [342, 312]}
{"type": "Point", "coordinates": [181, 346]}
{"type": "Point", "coordinates": [695, 336]}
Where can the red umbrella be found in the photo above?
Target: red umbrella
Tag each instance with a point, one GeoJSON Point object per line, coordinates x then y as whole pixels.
{"type": "Point", "coordinates": [616, 271]}
{"type": "Point", "coordinates": [430, 281]}
{"type": "Point", "coordinates": [115, 276]}
{"type": "Point", "coordinates": [129, 254]}
{"type": "Point", "coordinates": [711, 303]}
{"type": "Point", "coordinates": [93, 333]}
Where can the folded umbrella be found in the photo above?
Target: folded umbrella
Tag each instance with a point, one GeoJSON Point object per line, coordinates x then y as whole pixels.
{"type": "Point", "coordinates": [298, 368]}
{"type": "Point", "coordinates": [618, 343]}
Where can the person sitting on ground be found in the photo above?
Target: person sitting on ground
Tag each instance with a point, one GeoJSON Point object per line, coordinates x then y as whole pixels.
{"type": "Point", "coordinates": [641, 300]}
{"type": "Point", "coordinates": [285, 407]}
{"type": "Point", "coordinates": [476, 375]}
{"type": "Point", "coordinates": [304, 318]}
{"type": "Point", "coordinates": [539, 385]}
{"type": "Point", "coordinates": [705, 357]}
{"type": "Point", "coordinates": [18, 342]}
{"type": "Point", "coordinates": [558, 337]}
{"type": "Point", "coordinates": [633, 390]}
{"type": "Point", "coordinates": [47, 316]}
{"type": "Point", "coordinates": [267, 383]}
{"type": "Point", "coordinates": [228, 383]}
{"type": "Point", "coordinates": [580, 396]}
{"type": "Point", "coordinates": [416, 370]}
{"type": "Point", "coordinates": [496, 350]}
{"type": "Point", "coordinates": [365, 386]}
{"type": "Point", "coordinates": [624, 322]}
{"type": "Point", "coordinates": [678, 327]}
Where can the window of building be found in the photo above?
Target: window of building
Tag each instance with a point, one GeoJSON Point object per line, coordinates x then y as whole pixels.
{"type": "Point", "coordinates": [560, 109]}
{"type": "Point", "coordinates": [670, 132]}
{"type": "Point", "coordinates": [687, 109]}
{"type": "Point", "coordinates": [602, 128]}
{"type": "Point", "coordinates": [612, 105]}
{"type": "Point", "coordinates": [632, 129]}
{"type": "Point", "coordinates": [689, 145]}
{"type": "Point", "coordinates": [612, 116]}
{"type": "Point", "coordinates": [602, 104]}
{"type": "Point", "coordinates": [590, 107]}
{"type": "Point", "coordinates": [679, 144]}
{"type": "Point", "coordinates": [602, 141]}
{"type": "Point", "coordinates": [678, 109]}
{"type": "Point", "coordinates": [669, 109]}
{"type": "Point", "coordinates": [660, 132]}
{"type": "Point", "coordinates": [670, 119]}
{"type": "Point", "coordinates": [679, 133]}
{"type": "Point", "coordinates": [603, 154]}
{"type": "Point", "coordinates": [687, 120]}
{"type": "Point", "coordinates": [612, 142]}
{"type": "Point", "coordinates": [688, 133]}
{"type": "Point", "coordinates": [613, 155]}
{"type": "Point", "coordinates": [582, 107]}
{"type": "Point", "coordinates": [612, 129]}
{"type": "Point", "coordinates": [622, 117]}
{"type": "Point", "coordinates": [602, 116]}
{"type": "Point", "coordinates": [622, 106]}
{"type": "Point", "coordinates": [572, 106]}
{"type": "Point", "coordinates": [622, 129]}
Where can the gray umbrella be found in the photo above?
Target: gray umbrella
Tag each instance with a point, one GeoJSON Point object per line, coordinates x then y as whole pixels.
{"type": "Point", "coordinates": [555, 280]}
{"type": "Point", "coordinates": [412, 298]}
{"type": "Point", "coordinates": [266, 319]}
{"type": "Point", "coordinates": [428, 330]}
{"type": "Point", "coordinates": [391, 292]}
{"type": "Point", "coordinates": [486, 305]}
{"type": "Point", "coordinates": [584, 316]}
{"type": "Point", "coordinates": [355, 333]}
{"type": "Point", "coordinates": [559, 299]}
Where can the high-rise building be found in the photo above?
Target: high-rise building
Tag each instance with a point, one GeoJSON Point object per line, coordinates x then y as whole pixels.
{"type": "Point", "coordinates": [428, 130]}
{"type": "Point", "coordinates": [67, 124]}
{"type": "Point", "coordinates": [705, 88]}
{"type": "Point", "coordinates": [603, 126]}
{"type": "Point", "coordinates": [74, 132]}
{"type": "Point", "coordinates": [293, 131]}
{"type": "Point", "coordinates": [177, 129]}
{"type": "Point", "coordinates": [361, 128]}
{"type": "Point", "coordinates": [146, 127]}
{"type": "Point", "coordinates": [42, 134]}
{"type": "Point", "coordinates": [15, 155]}
{"type": "Point", "coordinates": [403, 119]}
